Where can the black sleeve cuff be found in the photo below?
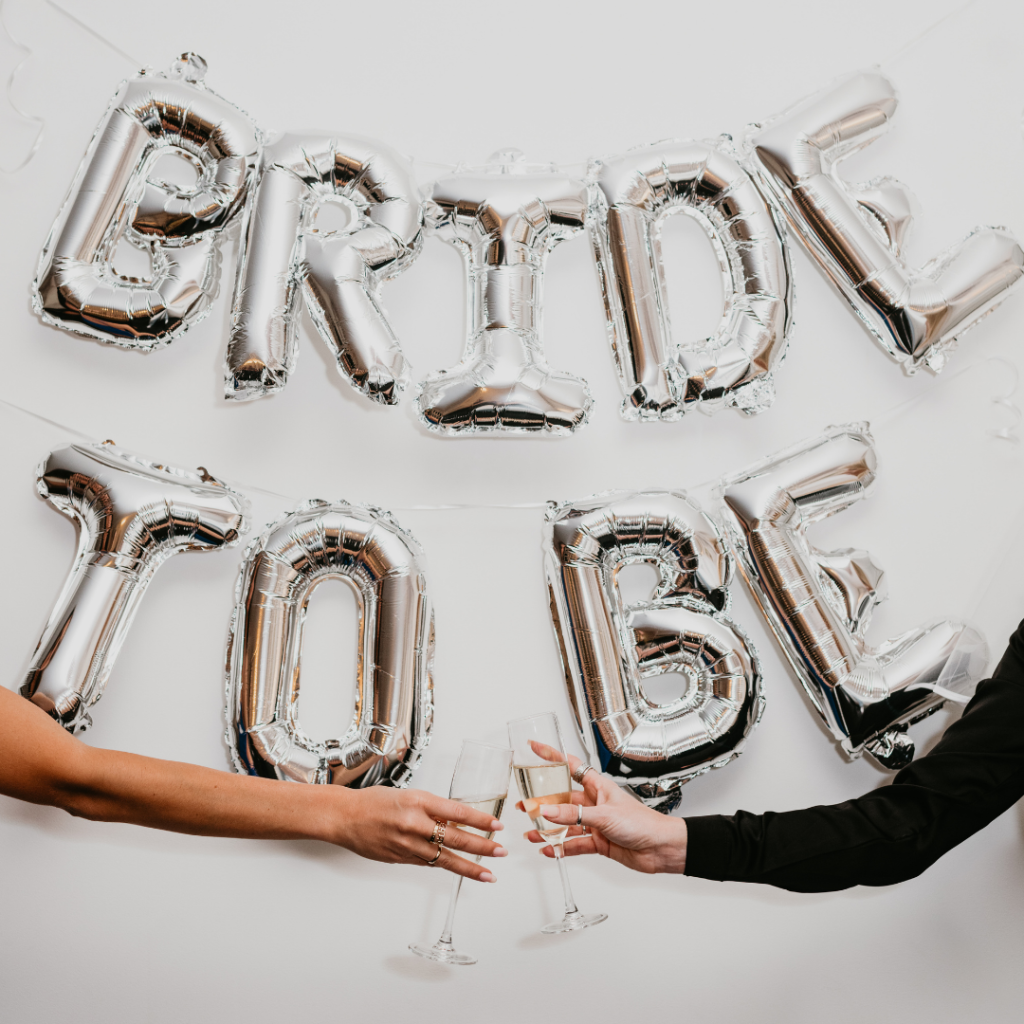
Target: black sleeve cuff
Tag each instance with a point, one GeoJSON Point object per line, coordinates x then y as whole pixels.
{"type": "Point", "coordinates": [710, 842]}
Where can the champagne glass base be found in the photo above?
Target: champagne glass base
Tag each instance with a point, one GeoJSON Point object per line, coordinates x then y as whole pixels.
{"type": "Point", "coordinates": [573, 923]}
{"type": "Point", "coordinates": [443, 954]}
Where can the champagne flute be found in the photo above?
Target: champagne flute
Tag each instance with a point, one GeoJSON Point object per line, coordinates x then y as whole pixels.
{"type": "Point", "coordinates": [541, 769]}
{"type": "Point", "coordinates": [480, 781]}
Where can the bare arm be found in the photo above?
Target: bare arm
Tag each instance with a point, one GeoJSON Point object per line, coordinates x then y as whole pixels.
{"type": "Point", "coordinates": [43, 764]}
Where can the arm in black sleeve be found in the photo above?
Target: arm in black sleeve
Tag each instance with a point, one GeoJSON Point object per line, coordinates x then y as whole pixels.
{"type": "Point", "coordinates": [972, 775]}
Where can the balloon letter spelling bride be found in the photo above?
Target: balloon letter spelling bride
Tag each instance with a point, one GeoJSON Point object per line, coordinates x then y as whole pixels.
{"type": "Point", "coordinates": [118, 195]}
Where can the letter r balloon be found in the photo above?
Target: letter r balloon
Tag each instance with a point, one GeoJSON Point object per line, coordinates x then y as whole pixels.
{"type": "Point", "coordinates": [284, 253]}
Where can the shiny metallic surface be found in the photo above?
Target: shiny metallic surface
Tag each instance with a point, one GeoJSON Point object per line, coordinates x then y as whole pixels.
{"type": "Point", "coordinates": [819, 603]}
{"type": "Point", "coordinates": [116, 196]}
{"type": "Point", "coordinates": [131, 516]}
{"type": "Point", "coordinates": [393, 715]}
{"type": "Point", "coordinates": [283, 253]}
{"type": "Point", "coordinates": [609, 649]}
{"type": "Point", "coordinates": [634, 194]}
{"type": "Point", "coordinates": [856, 231]}
{"type": "Point", "coordinates": [505, 218]}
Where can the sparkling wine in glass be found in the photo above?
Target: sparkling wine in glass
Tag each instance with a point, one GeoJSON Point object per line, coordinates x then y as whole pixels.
{"type": "Point", "coordinates": [481, 782]}
{"type": "Point", "coordinates": [541, 768]}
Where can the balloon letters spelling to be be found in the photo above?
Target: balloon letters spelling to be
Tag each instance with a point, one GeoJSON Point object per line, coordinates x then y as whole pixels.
{"type": "Point", "coordinates": [609, 649]}
{"type": "Point", "coordinates": [819, 603]}
{"type": "Point", "coordinates": [131, 516]}
{"type": "Point", "coordinates": [365, 548]}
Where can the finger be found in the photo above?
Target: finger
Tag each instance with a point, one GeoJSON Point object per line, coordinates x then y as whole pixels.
{"type": "Point", "coordinates": [534, 836]}
{"type": "Point", "coordinates": [565, 814]}
{"type": "Point", "coordinates": [520, 807]}
{"type": "Point", "coordinates": [547, 752]}
{"type": "Point", "coordinates": [460, 866]}
{"type": "Point", "coordinates": [579, 848]}
{"type": "Point", "coordinates": [451, 810]}
{"type": "Point", "coordinates": [466, 842]}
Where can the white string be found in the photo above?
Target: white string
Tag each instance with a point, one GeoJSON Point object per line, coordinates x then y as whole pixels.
{"type": "Point", "coordinates": [575, 168]}
{"type": "Point", "coordinates": [882, 419]}
{"type": "Point", "coordinates": [96, 35]}
{"type": "Point", "coordinates": [906, 47]}
{"type": "Point", "coordinates": [23, 114]}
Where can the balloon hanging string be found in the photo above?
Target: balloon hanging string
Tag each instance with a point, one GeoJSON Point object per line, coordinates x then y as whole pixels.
{"type": "Point", "coordinates": [96, 35]}
{"type": "Point", "coordinates": [884, 418]}
{"type": "Point", "coordinates": [25, 116]}
{"type": "Point", "coordinates": [575, 168]}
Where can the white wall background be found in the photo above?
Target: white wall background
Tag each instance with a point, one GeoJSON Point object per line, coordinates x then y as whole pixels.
{"type": "Point", "coordinates": [111, 923]}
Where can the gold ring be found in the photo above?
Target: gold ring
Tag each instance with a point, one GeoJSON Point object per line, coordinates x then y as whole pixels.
{"type": "Point", "coordinates": [436, 857]}
{"type": "Point", "coordinates": [437, 836]}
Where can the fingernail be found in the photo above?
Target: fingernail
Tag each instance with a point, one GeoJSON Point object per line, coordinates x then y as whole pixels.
{"type": "Point", "coordinates": [487, 877]}
{"type": "Point", "coordinates": [500, 851]}
{"type": "Point", "coordinates": [496, 826]}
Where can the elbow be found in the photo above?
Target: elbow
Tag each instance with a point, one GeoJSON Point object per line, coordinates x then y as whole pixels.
{"type": "Point", "coordinates": [74, 788]}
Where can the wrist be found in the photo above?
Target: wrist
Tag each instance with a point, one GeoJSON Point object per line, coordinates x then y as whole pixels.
{"type": "Point", "coordinates": [333, 815]}
{"type": "Point", "coordinates": [672, 845]}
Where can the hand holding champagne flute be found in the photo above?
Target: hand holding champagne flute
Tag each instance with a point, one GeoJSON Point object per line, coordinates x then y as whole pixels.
{"type": "Point", "coordinates": [480, 782]}
{"type": "Point", "coordinates": [541, 768]}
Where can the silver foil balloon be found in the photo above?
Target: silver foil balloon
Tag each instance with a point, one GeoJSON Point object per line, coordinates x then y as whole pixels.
{"type": "Point", "coordinates": [635, 193]}
{"type": "Point", "coordinates": [131, 515]}
{"type": "Point", "coordinates": [283, 253]}
{"type": "Point", "coordinates": [609, 649]}
{"type": "Point", "coordinates": [856, 231]}
{"type": "Point", "coordinates": [505, 218]}
{"type": "Point", "coordinates": [819, 603]}
{"type": "Point", "coordinates": [117, 195]}
{"type": "Point", "coordinates": [391, 725]}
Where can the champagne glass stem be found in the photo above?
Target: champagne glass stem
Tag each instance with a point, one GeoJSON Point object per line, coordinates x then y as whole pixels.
{"type": "Point", "coordinates": [570, 903]}
{"type": "Point", "coordinates": [446, 935]}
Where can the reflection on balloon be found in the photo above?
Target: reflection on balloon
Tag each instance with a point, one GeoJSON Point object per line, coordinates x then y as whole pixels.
{"type": "Point", "coordinates": [368, 550]}
{"type": "Point", "coordinates": [131, 516]}
{"type": "Point", "coordinates": [819, 603]}
{"type": "Point", "coordinates": [117, 195]}
{"type": "Point", "coordinates": [610, 649]}
{"type": "Point", "coordinates": [284, 249]}
{"type": "Point", "coordinates": [505, 218]}
{"type": "Point", "coordinates": [635, 193]}
{"type": "Point", "coordinates": [856, 232]}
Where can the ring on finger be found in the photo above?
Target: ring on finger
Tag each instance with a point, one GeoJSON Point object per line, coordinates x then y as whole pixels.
{"type": "Point", "coordinates": [436, 857]}
{"type": "Point", "coordinates": [582, 770]}
{"type": "Point", "coordinates": [440, 827]}
{"type": "Point", "coordinates": [579, 814]}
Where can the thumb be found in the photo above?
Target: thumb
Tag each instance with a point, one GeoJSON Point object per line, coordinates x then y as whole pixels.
{"type": "Point", "coordinates": [561, 814]}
